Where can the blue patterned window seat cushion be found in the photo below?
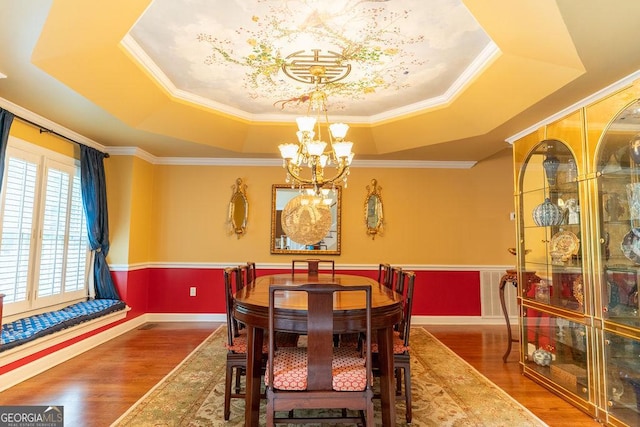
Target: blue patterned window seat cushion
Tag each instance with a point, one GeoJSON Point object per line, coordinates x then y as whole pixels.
{"type": "Point", "coordinates": [36, 326]}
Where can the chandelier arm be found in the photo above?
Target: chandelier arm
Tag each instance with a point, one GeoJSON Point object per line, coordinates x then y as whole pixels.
{"type": "Point", "coordinates": [339, 175]}
{"type": "Point", "coordinates": [295, 175]}
{"type": "Point", "coordinates": [310, 181]}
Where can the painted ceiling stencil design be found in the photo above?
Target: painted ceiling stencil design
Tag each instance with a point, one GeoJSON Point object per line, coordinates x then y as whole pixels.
{"type": "Point", "coordinates": [230, 52]}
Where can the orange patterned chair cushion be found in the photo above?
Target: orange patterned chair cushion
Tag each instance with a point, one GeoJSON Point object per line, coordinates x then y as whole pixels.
{"type": "Point", "coordinates": [282, 340]}
{"type": "Point", "coordinates": [240, 343]}
{"type": "Point", "coordinates": [290, 369]}
{"type": "Point", "coordinates": [398, 345]}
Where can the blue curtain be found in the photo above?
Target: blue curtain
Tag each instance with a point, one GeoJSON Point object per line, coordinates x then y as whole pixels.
{"type": "Point", "coordinates": [94, 198]}
{"type": "Point", "coordinates": [6, 118]}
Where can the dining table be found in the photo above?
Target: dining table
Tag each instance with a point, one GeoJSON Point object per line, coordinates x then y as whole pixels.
{"type": "Point", "coordinates": [251, 307]}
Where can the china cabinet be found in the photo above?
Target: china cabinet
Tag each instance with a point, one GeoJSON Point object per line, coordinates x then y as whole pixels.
{"type": "Point", "coordinates": [577, 184]}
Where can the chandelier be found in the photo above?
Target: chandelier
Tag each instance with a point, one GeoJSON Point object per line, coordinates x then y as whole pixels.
{"type": "Point", "coordinates": [311, 151]}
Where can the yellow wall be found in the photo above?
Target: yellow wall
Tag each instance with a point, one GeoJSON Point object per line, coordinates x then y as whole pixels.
{"type": "Point", "coordinates": [432, 216]}
{"type": "Point", "coordinates": [119, 174]}
{"type": "Point", "coordinates": [32, 134]}
{"type": "Point", "coordinates": [178, 214]}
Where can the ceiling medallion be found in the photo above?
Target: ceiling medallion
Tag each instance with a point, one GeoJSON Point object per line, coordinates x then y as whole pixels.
{"type": "Point", "coordinates": [316, 67]}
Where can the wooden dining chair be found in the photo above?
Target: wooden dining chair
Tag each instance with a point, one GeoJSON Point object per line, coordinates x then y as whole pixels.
{"type": "Point", "coordinates": [251, 272]}
{"type": "Point", "coordinates": [396, 280]}
{"type": "Point", "coordinates": [383, 272]}
{"type": "Point", "coordinates": [314, 265]}
{"type": "Point", "coordinates": [320, 375]}
{"type": "Point", "coordinates": [236, 344]}
{"type": "Point", "coordinates": [243, 275]}
{"type": "Point", "coordinates": [401, 356]}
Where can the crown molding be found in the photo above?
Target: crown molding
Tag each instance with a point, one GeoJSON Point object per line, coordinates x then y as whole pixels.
{"type": "Point", "coordinates": [259, 162]}
{"type": "Point", "coordinates": [46, 124]}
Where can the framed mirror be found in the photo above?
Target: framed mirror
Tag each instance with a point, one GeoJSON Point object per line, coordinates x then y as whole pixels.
{"type": "Point", "coordinates": [238, 209]}
{"type": "Point", "coordinates": [373, 212]}
{"type": "Point", "coordinates": [303, 223]}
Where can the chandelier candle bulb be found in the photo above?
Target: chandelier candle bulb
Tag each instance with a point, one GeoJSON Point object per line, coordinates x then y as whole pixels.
{"type": "Point", "coordinates": [316, 148]}
{"type": "Point", "coordinates": [306, 124]}
{"type": "Point", "coordinates": [342, 149]}
{"type": "Point", "coordinates": [288, 151]}
{"type": "Point", "coordinates": [339, 130]}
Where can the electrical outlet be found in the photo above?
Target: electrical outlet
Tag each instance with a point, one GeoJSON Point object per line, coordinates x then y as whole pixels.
{"type": "Point", "coordinates": [192, 291]}
{"type": "Point", "coordinates": [512, 216]}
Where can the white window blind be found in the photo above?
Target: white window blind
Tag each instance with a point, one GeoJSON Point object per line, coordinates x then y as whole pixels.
{"type": "Point", "coordinates": [43, 243]}
{"type": "Point", "coordinates": [18, 201]}
{"type": "Point", "coordinates": [54, 225]}
{"type": "Point", "coordinates": [77, 250]}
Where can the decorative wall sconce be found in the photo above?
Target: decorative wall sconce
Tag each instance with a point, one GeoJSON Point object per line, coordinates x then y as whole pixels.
{"type": "Point", "coordinates": [238, 209]}
{"type": "Point", "coordinates": [373, 210]}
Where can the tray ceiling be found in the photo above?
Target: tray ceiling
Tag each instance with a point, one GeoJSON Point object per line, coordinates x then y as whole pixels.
{"type": "Point", "coordinates": [429, 80]}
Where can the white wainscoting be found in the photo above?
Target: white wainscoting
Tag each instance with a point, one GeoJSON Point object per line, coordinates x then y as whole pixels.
{"type": "Point", "coordinates": [490, 296]}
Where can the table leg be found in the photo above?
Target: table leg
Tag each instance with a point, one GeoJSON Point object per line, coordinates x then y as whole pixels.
{"type": "Point", "coordinates": [510, 277]}
{"type": "Point", "coordinates": [387, 383]}
{"type": "Point", "coordinates": [255, 338]}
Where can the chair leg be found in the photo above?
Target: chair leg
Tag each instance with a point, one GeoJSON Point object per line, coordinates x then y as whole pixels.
{"type": "Point", "coordinates": [399, 373]}
{"type": "Point", "coordinates": [239, 373]}
{"type": "Point", "coordinates": [227, 392]}
{"type": "Point", "coordinates": [270, 412]}
{"type": "Point", "coordinates": [369, 416]}
{"type": "Point", "coordinates": [407, 392]}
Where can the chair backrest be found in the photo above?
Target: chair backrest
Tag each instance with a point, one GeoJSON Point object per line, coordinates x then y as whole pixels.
{"type": "Point", "coordinates": [314, 265]}
{"type": "Point", "coordinates": [242, 276]}
{"type": "Point", "coordinates": [230, 277]}
{"type": "Point", "coordinates": [383, 272]}
{"type": "Point", "coordinates": [252, 274]}
{"type": "Point", "coordinates": [404, 328]}
{"type": "Point", "coordinates": [396, 280]}
{"type": "Point", "coordinates": [319, 330]}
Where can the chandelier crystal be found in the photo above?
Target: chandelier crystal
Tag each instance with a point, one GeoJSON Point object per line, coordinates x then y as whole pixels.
{"type": "Point", "coordinates": [312, 151]}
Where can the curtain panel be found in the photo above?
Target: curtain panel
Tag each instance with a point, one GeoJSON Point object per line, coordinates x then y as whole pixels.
{"type": "Point", "coordinates": [94, 198]}
{"type": "Point", "coordinates": [6, 118]}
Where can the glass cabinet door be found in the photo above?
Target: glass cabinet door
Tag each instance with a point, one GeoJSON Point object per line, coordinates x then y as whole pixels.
{"type": "Point", "coordinates": [618, 166]}
{"type": "Point", "coordinates": [550, 217]}
{"type": "Point", "coordinates": [556, 348]}
{"type": "Point", "coordinates": [622, 365]}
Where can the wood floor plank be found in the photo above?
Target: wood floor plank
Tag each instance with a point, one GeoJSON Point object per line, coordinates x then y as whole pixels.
{"type": "Point", "coordinates": [99, 385]}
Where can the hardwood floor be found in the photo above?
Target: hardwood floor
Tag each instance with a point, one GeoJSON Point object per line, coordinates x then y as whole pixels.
{"type": "Point", "coordinates": [483, 347]}
{"type": "Point", "coordinates": [96, 387]}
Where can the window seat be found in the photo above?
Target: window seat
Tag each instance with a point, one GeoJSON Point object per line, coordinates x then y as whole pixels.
{"type": "Point", "coordinates": [30, 328]}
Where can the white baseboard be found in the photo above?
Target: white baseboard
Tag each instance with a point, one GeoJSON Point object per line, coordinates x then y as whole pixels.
{"type": "Point", "coordinates": [461, 320]}
{"type": "Point", "coordinates": [186, 317]}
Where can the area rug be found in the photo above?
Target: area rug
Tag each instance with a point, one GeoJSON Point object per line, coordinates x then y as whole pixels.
{"type": "Point", "coordinates": [447, 391]}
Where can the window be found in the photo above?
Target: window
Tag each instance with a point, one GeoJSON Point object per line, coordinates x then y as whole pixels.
{"type": "Point", "coordinates": [43, 240]}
